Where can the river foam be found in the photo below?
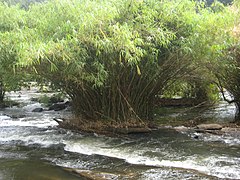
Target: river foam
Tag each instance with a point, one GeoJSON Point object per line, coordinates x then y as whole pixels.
{"type": "Point", "coordinates": [205, 165]}
{"type": "Point", "coordinates": [166, 153]}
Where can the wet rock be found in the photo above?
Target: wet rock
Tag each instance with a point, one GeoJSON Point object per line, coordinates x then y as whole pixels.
{"type": "Point", "coordinates": [232, 131]}
{"type": "Point", "coordinates": [17, 116]}
{"type": "Point", "coordinates": [195, 136]}
{"type": "Point", "coordinates": [215, 132]}
{"type": "Point", "coordinates": [95, 175]}
{"type": "Point", "coordinates": [59, 120]}
{"type": "Point", "coordinates": [59, 106]}
{"type": "Point", "coordinates": [209, 127]}
{"type": "Point", "coordinates": [37, 110]}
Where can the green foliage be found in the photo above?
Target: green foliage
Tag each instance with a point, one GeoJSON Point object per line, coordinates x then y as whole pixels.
{"type": "Point", "coordinates": [49, 100]}
{"type": "Point", "coordinates": [227, 63]}
{"type": "Point", "coordinates": [211, 35]}
{"type": "Point", "coordinates": [12, 77]}
{"type": "Point", "coordinates": [113, 57]}
{"type": "Point", "coordinates": [201, 92]}
{"type": "Point", "coordinates": [24, 4]}
{"type": "Point", "coordinates": [43, 99]}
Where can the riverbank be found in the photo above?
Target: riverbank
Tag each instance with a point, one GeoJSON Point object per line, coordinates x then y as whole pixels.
{"type": "Point", "coordinates": [112, 128]}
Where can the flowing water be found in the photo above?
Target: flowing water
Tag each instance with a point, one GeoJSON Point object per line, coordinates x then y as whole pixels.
{"type": "Point", "coordinates": [33, 147]}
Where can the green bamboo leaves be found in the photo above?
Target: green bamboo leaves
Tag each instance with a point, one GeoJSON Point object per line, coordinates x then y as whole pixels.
{"type": "Point", "coordinates": [114, 57]}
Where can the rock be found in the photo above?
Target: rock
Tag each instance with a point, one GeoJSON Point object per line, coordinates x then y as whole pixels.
{"type": "Point", "coordinates": [195, 136]}
{"type": "Point", "coordinates": [96, 175]}
{"type": "Point", "coordinates": [209, 127]}
{"type": "Point", "coordinates": [216, 132]}
{"type": "Point", "coordinates": [229, 129]}
{"type": "Point", "coordinates": [37, 110]}
{"type": "Point", "coordinates": [17, 116]}
{"type": "Point", "coordinates": [59, 106]}
{"type": "Point", "coordinates": [59, 120]}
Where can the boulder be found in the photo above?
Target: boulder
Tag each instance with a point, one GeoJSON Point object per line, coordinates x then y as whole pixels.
{"type": "Point", "coordinates": [37, 110]}
{"type": "Point", "coordinates": [209, 126]}
{"type": "Point", "coordinates": [59, 106]}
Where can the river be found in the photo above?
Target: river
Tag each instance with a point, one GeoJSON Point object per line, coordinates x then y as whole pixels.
{"type": "Point", "coordinates": [33, 147]}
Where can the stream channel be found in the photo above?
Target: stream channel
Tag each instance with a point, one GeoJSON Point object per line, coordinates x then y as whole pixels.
{"type": "Point", "coordinates": [33, 147]}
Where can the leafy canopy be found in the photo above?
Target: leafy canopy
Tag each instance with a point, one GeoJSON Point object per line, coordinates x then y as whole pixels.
{"type": "Point", "coordinates": [114, 57]}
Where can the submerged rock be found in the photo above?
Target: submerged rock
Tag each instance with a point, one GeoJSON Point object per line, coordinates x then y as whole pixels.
{"type": "Point", "coordinates": [96, 175]}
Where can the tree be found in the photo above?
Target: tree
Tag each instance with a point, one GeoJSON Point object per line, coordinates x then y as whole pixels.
{"type": "Point", "coordinates": [210, 38]}
{"type": "Point", "coordinates": [114, 57]}
{"type": "Point", "coordinates": [11, 76]}
{"type": "Point", "coordinates": [227, 69]}
{"type": "Point", "coordinates": [112, 61]}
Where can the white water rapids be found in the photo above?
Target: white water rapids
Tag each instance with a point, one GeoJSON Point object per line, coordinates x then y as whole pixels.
{"type": "Point", "coordinates": [166, 154]}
